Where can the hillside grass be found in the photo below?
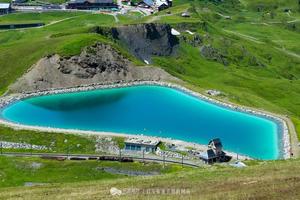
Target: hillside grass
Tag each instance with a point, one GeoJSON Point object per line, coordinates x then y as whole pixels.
{"type": "Point", "coordinates": [45, 17]}
{"type": "Point", "coordinates": [55, 142]}
{"type": "Point", "coordinates": [260, 180]}
{"type": "Point", "coordinates": [18, 171]}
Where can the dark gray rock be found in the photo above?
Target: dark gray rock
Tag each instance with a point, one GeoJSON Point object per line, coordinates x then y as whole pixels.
{"type": "Point", "coordinates": [98, 58]}
{"type": "Point", "coordinates": [211, 53]}
{"type": "Point", "coordinates": [144, 40]}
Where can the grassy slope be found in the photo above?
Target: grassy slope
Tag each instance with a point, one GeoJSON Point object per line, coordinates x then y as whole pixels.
{"type": "Point", "coordinates": [263, 180]}
{"type": "Point", "coordinates": [57, 142]}
{"type": "Point", "coordinates": [45, 17]}
{"type": "Point", "coordinates": [18, 171]}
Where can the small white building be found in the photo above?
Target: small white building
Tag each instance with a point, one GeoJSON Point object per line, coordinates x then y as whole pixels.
{"type": "Point", "coordinates": [156, 4]}
{"type": "Point", "coordinates": [5, 8]}
{"type": "Point", "coordinates": [161, 4]}
{"type": "Point", "coordinates": [137, 144]}
{"type": "Point", "coordinates": [214, 92]}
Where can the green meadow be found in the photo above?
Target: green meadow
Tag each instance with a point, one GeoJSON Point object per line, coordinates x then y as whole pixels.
{"type": "Point", "coordinates": [86, 180]}
{"type": "Point", "coordinates": [19, 171]}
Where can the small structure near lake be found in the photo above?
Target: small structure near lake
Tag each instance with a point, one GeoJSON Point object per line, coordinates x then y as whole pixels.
{"type": "Point", "coordinates": [215, 152]}
{"type": "Point", "coordinates": [214, 92]}
{"type": "Point", "coordinates": [137, 144]}
{"type": "Point", "coordinates": [5, 8]}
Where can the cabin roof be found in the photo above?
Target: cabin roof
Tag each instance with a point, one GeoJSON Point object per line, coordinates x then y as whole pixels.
{"type": "Point", "coordinates": [91, 1]}
{"type": "Point", "coordinates": [139, 141]}
{"type": "Point", "coordinates": [148, 2]}
{"type": "Point", "coordinates": [4, 5]}
{"type": "Point", "coordinates": [217, 142]}
{"type": "Point", "coordinates": [161, 2]}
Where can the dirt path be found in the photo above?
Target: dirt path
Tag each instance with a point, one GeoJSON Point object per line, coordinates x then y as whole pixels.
{"type": "Point", "coordinates": [288, 52]}
{"type": "Point", "coordinates": [295, 149]}
{"type": "Point", "coordinates": [256, 40]}
{"type": "Point", "coordinates": [247, 37]}
{"type": "Point", "coordinates": [58, 21]}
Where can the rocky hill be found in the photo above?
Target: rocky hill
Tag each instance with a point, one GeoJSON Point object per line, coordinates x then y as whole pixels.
{"type": "Point", "coordinates": [96, 64]}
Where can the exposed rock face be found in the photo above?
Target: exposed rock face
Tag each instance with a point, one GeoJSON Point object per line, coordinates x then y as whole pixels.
{"type": "Point", "coordinates": [96, 64]}
{"type": "Point", "coordinates": [93, 60]}
{"type": "Point", "coordinates": [195, 41]}
{"type": "Point", "coordinates": [145, 40]}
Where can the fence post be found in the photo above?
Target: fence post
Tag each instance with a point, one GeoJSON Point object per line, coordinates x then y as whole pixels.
{"type": "Point", "coordinates": [181, 160]}
{"type": "Point", "coordinates": [144, 156]}
{"type": "Point", "coordinates": [120, 154]}
{"type": "Point", "coordinates": [31, 149]}
{"type": "Point", "coordinates": [164, 159]}
{"type": "Point", "coordinates": [1, 144]}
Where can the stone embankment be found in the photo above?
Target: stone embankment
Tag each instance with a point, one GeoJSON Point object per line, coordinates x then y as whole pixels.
{"type": "Point", "coordinates": [15, 145]}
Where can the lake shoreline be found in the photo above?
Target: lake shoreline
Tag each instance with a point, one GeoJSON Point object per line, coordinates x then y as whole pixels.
{"type": "Point", "coordinates": [285, 149]}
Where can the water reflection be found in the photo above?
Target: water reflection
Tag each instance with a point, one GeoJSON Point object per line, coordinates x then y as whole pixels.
{"type": "Point", "coordinates": [76, 101]}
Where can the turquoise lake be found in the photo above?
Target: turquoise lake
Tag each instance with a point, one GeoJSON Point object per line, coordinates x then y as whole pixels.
{"type": "Point", "coordinates": [154, 111]}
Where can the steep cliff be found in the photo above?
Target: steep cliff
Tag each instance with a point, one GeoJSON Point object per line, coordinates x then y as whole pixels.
{"type": "Point", "coordinates": [144, 40]}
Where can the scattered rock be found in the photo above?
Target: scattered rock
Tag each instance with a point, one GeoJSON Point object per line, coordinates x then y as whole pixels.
{"type": "Point", "coordinates": [36, 165]}
{"type": "Point", "coordinates": [185, 14]}
{"type": "Point", "coordinates": [93, 60]}
{"type": "Point", "coordinates": [115, 192]}
{"type": "Point", "coordinates": [211, 53]}
{"type": "Point", "coordinates": [31, 184]}
{"type": "Point", "coordinates": [174, 32]}
{"type": "Point", "coordinates": [213, 92]}
{"type": "Point", "coordinates": [195, 41]}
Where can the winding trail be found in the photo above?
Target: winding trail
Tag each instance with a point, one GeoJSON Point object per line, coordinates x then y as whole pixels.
{"type": "Point", "coordinates": [256, 40]}
{"type": "Point", "coordinates": [58, 21]}
{"type": "Point", "coordinates": [288, 52]}
{"type": "Point", "coordinates": [247, 37]}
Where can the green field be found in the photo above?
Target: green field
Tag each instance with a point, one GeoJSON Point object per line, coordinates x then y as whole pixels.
{"type": "Point", "coordinates": [80, 180]}
{"type": "Point", "coordinates": [19, 171]}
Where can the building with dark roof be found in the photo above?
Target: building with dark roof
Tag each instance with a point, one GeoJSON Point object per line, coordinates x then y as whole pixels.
{"type": "Point", "coordinates": [91, 4]}
{"type": "Point", "coordinates": [215, 152]}
{"type": "Point", "coordinates": [146, 3]}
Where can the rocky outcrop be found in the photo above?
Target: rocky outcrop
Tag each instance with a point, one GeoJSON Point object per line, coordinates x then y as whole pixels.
{"type": "Point", "coordinates": [195, 40]}
{"type": "Point", "coordinates": [211, 53]}
{"type": "Point", "coordinates": [93, 60]}
{"type": "Point", "coordinates": [144, 40]}
{"type": "Point", "coordinates": [99, 63]}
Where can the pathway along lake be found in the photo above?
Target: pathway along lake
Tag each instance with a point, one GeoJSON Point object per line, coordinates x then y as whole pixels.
{"type": "Point", "coordinates": [154, 111]}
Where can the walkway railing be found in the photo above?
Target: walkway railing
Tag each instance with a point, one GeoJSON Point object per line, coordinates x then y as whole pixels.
{"type": "Point", "coordinates": [99, 157]}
